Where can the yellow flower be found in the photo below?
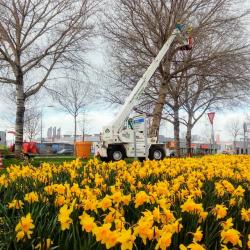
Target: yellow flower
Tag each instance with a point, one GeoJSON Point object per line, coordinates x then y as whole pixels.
{"type": "Point", "coordinates": [126, 239]}
{"type": "Point", "coordinates": [220, 211]}
{"type": "Point", "coordinates": [227, 224]}
{"type": "Point", "coordinates": [44, 245]}
{"type": "Point", "coordinates": [17, 204]}
{"type": "Point", "coordinates": [191, 207]}
{"type": "Point", "coordinates": [232, 236]}
{"type": "Point", "coordinates": [117, 197]}
{"type": "Point", "coordinates": [195, 246]}
{"type": "Point", "coordinates": [90, 205]}
{"type": "Point", "coordinates": [203, 216]}
{"type": "Point", "coordinates": [232, 202]}
{"type": "Point", "coordinates": [238, 192]}
{"type": "Point", "coordinates": [105, 203]}
{"type": "Point", "coordinates": [198, 235]}
{"type": "Point", "coordinates": [145, 229]}
{"type": "Point", "coordinates": [31, 197]}
{"type": "Point", "coordinates": [182, 247]}
{"type": "Point", "coordinates": [164, 242]}
{"type": "Point", "coordinates": [64, 217]}
{"type": "Point", "coordinates": [141, 198]}
{"type": "Point", "coordinates": [24, 227]}
{"type": "Point", "coordinates": [177, 226]}
{"type": "Point", "coordinates": [245, 214]}
{"type": "Point", "coordinates": [157, 214]}
{"type": "Point", "coordinates": [60, 189]}
{"type": "Point", "coordinates": [126, 199]}
{"type": "Point", "coordinates": [101, 233]}
{"type": "Point", "coordinates": [224, 247]}
{"type": "Point", "coordinates": [219, 189]}
{"type": "Point", "coordinates": [60, 200]}
{"type": "Point", "coordinates": [112, 239]}
{"type": "Point", "coordinates": [109, 218]}
{"type": "Point", "coordinates": [87, 222]}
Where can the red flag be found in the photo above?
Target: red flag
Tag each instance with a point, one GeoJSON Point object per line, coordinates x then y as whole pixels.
{"type": "Point", "coordinates": [211, 117]}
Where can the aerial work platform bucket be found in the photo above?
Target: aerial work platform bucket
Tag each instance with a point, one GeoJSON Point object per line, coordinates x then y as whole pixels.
{"type": "Point", "coordinates": [83, 149]}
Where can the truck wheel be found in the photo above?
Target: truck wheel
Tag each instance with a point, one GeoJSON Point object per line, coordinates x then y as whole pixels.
{"type": "Point", "coordinates": [116, 154]}
{"type": "Point", "coordinates": [156, 153]}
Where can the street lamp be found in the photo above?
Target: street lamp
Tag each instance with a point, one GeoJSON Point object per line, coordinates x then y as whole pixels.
{"type": "Point", "coordinates": [49, 106]}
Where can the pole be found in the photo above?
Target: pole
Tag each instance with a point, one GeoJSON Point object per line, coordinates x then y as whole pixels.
{"type": "Point", "coordinates": [213, 146]}
{"type": "Point", "coordinates": [146, 137]}
{"type": "Point", "coordinates": [42, 125]}
{"type": "Point", "coordinates": [244, 135]}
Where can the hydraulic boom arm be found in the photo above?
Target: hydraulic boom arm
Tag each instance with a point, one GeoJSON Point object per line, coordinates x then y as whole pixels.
{"type": "Point", "coordinates": [133, 98]}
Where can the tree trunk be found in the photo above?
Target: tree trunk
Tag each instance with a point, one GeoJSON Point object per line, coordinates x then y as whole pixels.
{"type": "Point", "coordinates": [75, 128]}
{"type": "Point", "coordinates": [20, 110]}
{"type": "Point", "coordinates": [75, 134]}
{"type": "Point", "coordinates": [83, 135]}
{"type": "Point", "coordinates": [177, 131]}
{"type": "Point", "coordinates": [234, 145]}
{"type": "Point", "coordinates": [189, 136]}
{"type": "Point", "coordinates": [157, 113]}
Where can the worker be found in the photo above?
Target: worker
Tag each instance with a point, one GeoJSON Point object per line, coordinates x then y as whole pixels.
{"type": "Point", "coordinates": [189, 44]}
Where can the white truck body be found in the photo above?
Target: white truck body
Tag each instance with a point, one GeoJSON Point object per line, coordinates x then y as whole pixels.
{"type": "Point", "coordinates": [119, 140]}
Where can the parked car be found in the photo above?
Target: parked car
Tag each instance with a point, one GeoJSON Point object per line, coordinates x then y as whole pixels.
{"type": "Point", "coordinates": [65, 151]}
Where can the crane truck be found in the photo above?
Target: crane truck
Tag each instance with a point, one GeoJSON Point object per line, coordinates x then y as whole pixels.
{"type": "Point", "coordinates": [127, 137]}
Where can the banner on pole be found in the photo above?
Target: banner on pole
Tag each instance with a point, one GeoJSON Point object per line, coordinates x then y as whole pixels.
{"type": "Point", "coordinates": [211, 117]}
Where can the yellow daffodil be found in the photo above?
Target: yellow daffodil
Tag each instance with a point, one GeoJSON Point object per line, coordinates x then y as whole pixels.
{"type": "Point", "coordinates": [126, 238]}
{"type": "Point", "coordinates": [101, 233]}
{"type": "Point", "coordinates": [44, 245]}
{"type": "Point", "coordinates": [220, 211]}
{"type": "Point", "coordinates": [227, 224]}
{"type": "Point", "coordinates": [231, 235]}
{"type": "Point", "coordinates": [191, 207]}
{"type": "Point", "coordinates": [64, 217]}
{"type": "Point", "coordinates": [141, 198]}
{"type": "Point", "coordinates": [245, 214]}
{"type": "Point", "coordinates": [198, 235]}
{"type": "Point", "coordinates": [195, 246]}
{"type": "Point", "coordinates": [16, 204]}
{"type": "Point", "coordinates": [164, 242]}
{"type": "Point", "coordinates": [87, 222]}
{"type": "Point", "coordinates": [31, 197]}
{"type": "Point", "coordinates": [24, 228]}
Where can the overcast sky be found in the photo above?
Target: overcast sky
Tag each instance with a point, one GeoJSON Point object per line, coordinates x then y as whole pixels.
{"type": "Point", "coordinates": [100, 116]}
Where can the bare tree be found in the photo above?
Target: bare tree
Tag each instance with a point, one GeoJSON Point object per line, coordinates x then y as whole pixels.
{"type": "Point", "coordinates": [32, 120]}
{"type": "Point", "coordinates": [73, 96]}
{"type": "Point", "coordinates": [32, 115]}
{"type": "Point", "coordinates": [83, 124]}
{"type": "Point", "coordinates": [37, 38]}
{"type": "Point", "coordinates": [234, 127]}
{"type": "Point", "coordinates": [138, 29]}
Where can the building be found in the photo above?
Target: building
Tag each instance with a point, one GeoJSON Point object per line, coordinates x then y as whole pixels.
{"type": "Point", "coordinates": [3, 138]}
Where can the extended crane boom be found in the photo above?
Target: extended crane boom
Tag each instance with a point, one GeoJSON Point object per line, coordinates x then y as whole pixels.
{"type": "Point", "coordinates": [120, 140]}
{"type": "Point", "coordinates": [133, 98]}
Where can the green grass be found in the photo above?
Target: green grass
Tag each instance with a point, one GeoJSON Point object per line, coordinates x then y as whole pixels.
{"type": "Point", "coordinates": [36, 161]}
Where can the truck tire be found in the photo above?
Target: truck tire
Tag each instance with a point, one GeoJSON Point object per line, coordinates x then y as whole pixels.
{"type": "Point", "coordinates": [156, 153]}
{"type": "Point", "coordinates": [116, 154]}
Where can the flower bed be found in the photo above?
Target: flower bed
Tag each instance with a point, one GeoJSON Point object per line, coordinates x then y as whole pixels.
{"type": "Point", "coordinates": [201, 203]}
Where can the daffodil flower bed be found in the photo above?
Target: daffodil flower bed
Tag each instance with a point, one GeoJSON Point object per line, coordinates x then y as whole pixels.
{"type": "Point", "coordinates": [201, 203]}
